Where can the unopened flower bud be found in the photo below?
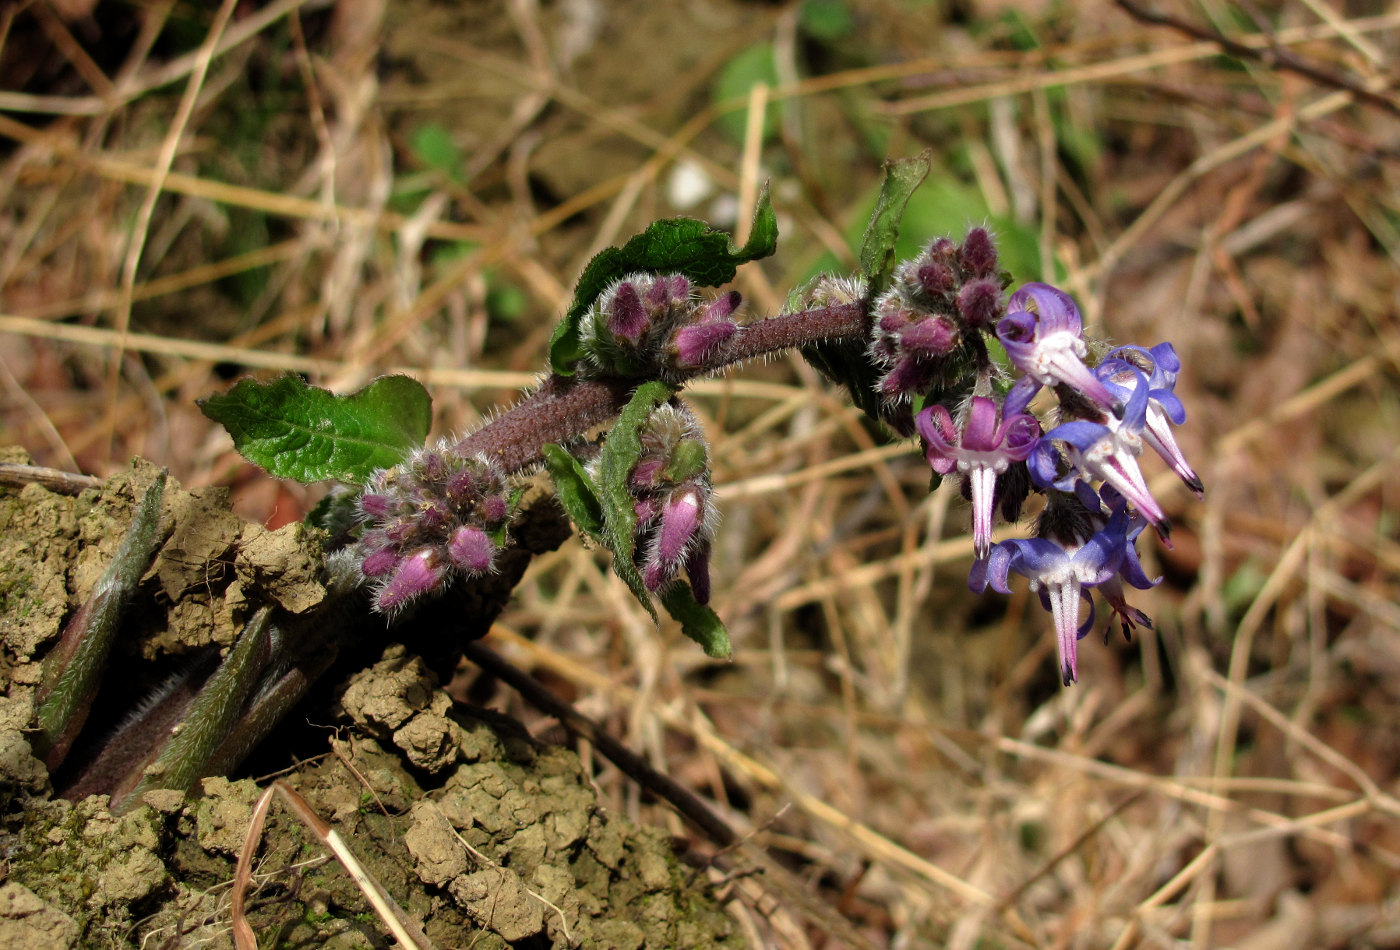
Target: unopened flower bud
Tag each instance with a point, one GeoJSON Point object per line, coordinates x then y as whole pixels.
{"type": "Point", "coordinates": [936, 278]}
{"type": "Point", "coordinates": [930, 337]}
{"type": "Point", "coordinates": [376, 506]}
{"type": "Point", "coordinates": [627, 318]}
{"type": "Point", "coordinates": [435, 514]}
{"type": "Point", "coordinates": [420, 572]}
{"type": "Point", "coordinates": [679, 519]}
{"type": "Point", "coordinates": [979, 303]}
{"type": "Point", "coordinates": [380, 562]}
{"type": "Point", "coordinates": [978, 255]}
{"type": "Point", "coordinates": [494, 509]}
{"type": "Point", "coordinates": [471, 550]}
{"type": "Point", "coordinates": [696, 344]}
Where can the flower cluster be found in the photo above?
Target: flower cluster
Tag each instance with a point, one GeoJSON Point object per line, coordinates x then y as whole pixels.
{"type": "Point", "coordinates": [650, 325]}
{"type": "Point", "coordinates": [674, 504]}
{"type": "Point", "coordinates": [438, 514]}
{"type": "Point", "coordinates": [927, 323]}
{"type": "Point", "coordinates": [1097, 499]}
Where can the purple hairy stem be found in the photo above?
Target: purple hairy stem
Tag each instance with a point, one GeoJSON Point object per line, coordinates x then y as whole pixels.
{"type": "Point", "coordinates": [564, 408]}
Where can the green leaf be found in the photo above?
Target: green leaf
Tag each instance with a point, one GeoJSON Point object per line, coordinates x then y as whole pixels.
{"type": "Point", "coordinates": [575, 490]}
{"type": "Point", "coordinates": [698, 621]}
{"type": "Point", "coordinates": [433, 146]}
{"type": "Point", "coordinates": [502, 532]}
{"type": "Point", "coordinates": [749, 67]}
{"type": "Point", "coordinates": [298, 431]}
{"type": "Point", "coordinates": [620, 453]}
{"type": "Point", "coordinates": [826, 20]}
{"type": "Point", "coordinates": [877, 248]}
{"type": "Point", "coordinates": [707, 257]}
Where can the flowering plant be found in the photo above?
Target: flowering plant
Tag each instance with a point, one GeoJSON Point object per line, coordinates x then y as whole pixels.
{"type": "Point", "coordinates": [1002, 390]}
{"type": "Point", "coordinates": [917, 344]}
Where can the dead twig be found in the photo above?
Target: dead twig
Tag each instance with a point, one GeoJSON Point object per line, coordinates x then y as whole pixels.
{"type": "Point", "coordinates": [13, 475]}
{"type": "Point", "coordinates": [1273, 56]}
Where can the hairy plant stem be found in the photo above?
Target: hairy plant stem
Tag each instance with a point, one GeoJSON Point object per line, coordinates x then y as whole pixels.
{"type": "Point", "coordinates": [564, 407]}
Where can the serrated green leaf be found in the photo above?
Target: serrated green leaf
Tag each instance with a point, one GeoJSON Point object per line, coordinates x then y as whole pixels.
{"type": "Point", "coordinates": [308, 434]}
{"type": "Point", "coordinates": [620, 453]}
{"type": "Point", "coordinates": [698, 621]}
{"type": "Point", "coordinates": [902, 176]}
{"type": "Point", "coordinates": [575, 490]}
{"type": "Point", "coordinates": [707, 257]}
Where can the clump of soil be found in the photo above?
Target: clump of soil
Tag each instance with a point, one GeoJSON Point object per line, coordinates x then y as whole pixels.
{"type": "Point", "coordinates": [484, 835]}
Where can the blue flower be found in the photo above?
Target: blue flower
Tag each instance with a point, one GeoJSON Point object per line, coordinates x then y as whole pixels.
{"type": "Point", "coordinates": [1041, 334]}
{"type": "Point", "coordinates": [1065, 561]}
{"type": "Point", "coordinates": [1163, 406]}
{"type": "Point", "coordinates": [1106, 451]}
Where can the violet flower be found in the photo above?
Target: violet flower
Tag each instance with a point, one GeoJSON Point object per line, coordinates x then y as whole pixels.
{"type": "Point", "coordinates": [1045, 342]}
{"type": "Point", "coordinates": [1105, 450]}
{"type": "Point", "coordinates": [1061, 569]}
{"type": "Point", "coordinates": [1129, 571]}
{"type": "Point", "coordinates": [986, 444]}
{"type": "Point", "coordinates": [1163, 406]}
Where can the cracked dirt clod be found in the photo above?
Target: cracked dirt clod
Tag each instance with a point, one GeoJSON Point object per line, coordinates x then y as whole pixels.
{"type": "Point", "coordinates": [485, 834]}
{"type": "Point", "coordinates": [28, 921]}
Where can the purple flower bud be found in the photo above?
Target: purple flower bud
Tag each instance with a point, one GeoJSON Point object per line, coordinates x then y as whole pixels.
{"type": "Point", "coordinates": [433, 516]}
{"type": "Point", "coordinates": [695, 344]}
{"type": "Point", "coordinates": [721, 308]}
{"type": "Point", "coordinates": [679, 519]}
{"type": "Point", "coordinates": [647, 510]}
{"type": "Point", "coordinates": [931, 337]}
{"type": "Point", "coordinates": [494, 509]}
{"type": "Point", "coordinates": [664, 290]}
{"type": "Point", "coordinates": [376, 506]}
{"type": "Point", "coordinates": [978, 255]}
{"type": "Point", "coordinates": [627, 318]}
{"type": "Point", "coordinates": [648, 472]}
{"type": "Point", "coordinates": [979, 303]}
{"type": "Point", "coordinates": [401, 530]}
{"type": "Point", "coordinates": [419, 573]}
{"type": "Point", "coordinates": [907, 377]}
{"type": "Point", "coordinates": [430, 466]}
{"type": "Point", "coordinates": [380, 562]}
{"type": "Point", "coordinates": [460, 485]}
{"type": "Point", "coordinates": [471, 550]}
{"type": "Point", "coordinates": [936, 278]}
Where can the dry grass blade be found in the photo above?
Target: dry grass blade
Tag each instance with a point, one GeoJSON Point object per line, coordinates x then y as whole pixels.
{"type": "Point", "coordinates": [404, 930]}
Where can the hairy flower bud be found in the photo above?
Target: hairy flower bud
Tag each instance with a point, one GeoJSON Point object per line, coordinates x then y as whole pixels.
{"type": "Point", "coordinates": [980, 303]}
{"type": "Point", "coordinates": [471, 549]}
{"type": "Point", "coordinates": [674, 503]}
{"type": "Point", "coordinates": [911, 344]}
{"type": "Point", "coordinates": [420, 572]}
{"type": "Point", "coordinates": [436, 515]}
{"type": "Point", "coordinates": [978, 255]}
